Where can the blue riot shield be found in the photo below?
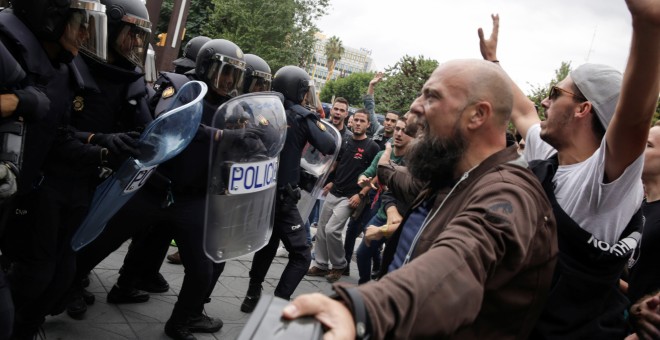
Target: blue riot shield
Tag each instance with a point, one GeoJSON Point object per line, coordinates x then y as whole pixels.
{"type": "Point", "coordinates": [314, 171]}
{"type": "Point", "coordinates": [242, 182]}
{"type": "Point", "coordinates": [163, 139]}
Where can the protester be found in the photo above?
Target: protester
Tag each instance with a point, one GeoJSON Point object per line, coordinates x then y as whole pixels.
{"type": "Point", "coordinates": [596, 128]}
{"type": "Point", "coordinates": [475, 254]}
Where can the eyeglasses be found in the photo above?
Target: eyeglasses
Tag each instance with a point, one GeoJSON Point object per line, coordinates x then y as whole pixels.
{"type": "Point", "coordinates": [555, 92]}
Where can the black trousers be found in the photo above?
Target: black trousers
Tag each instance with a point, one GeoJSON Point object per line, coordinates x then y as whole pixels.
{"type": "Point", "coordinates": [184, 222]}
{"type": "Point", "coordinates": [289, 228]}
{"type": "Point", "coordinates": [38, 242]}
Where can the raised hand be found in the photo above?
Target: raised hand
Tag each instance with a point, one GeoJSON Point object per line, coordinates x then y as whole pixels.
{"type": "Point", "coordinates": [488, 46]}
{"type": "Point", "coordinates": [377, 79]}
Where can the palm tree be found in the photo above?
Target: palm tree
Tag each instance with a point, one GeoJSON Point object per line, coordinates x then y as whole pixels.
{"type": "Point", "coordinates": [333, 51]}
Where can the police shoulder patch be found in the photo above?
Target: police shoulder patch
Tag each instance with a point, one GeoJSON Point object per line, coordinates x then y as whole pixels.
{"type": "Point", "coordinates": [262, 120]}
{"type": "Point", "coordinates": [168, 92]}
{"type": "Point", "coordinates": [320, 125]}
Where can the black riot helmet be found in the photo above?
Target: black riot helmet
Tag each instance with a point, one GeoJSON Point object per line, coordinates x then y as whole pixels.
{"type": "Point", "coordinates": [220, 64]}
{"type": "Point", "coordinates": [257, 74]}
{"type": "Point", "coordinates": [129, 29]}
{"type": "Point", "coordinates": [190, 51]}
{"type": "Point", "coordinates": [75, 24]}
{"type": "Point", "coordinates": [295, 84]}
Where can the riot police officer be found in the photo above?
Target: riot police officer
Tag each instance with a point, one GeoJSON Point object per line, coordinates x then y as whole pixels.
{"type": "Point", "coordinates": [111, 106]}
{"type": "Point", "coordinates": [302, 126]}
{"type": "Point", "coordinates": [257, 74]}
{"type": "Point", "coordinates": [42, 36]}
{"type": "Point", "coordinates": [187, 62]}
{"type": "Point", "coordinates": [173, 200]}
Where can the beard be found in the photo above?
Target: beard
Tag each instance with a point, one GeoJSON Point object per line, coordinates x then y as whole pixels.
{"type": "Point", "coordinates": [433, 159]}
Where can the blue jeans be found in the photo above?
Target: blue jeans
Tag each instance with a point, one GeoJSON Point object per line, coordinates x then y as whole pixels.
{"type": "Point", "coordinates": [313, 218]}
{"type": "Point", "coordinates": [366, 253]}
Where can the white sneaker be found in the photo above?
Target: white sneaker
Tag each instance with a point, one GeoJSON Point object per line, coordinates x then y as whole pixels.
{"type": "Point", "coordinates": [281, 252]}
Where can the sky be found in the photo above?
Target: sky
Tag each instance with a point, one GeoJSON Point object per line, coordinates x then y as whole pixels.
{"type": "Point", "coordinates": [535, 36]}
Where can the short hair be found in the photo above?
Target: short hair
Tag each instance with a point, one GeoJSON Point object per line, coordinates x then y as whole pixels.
{"type": "Point", "coordinates": [341, 100]}
{"type": "Point", "coordinates": [394, 111]}
{"type": "Point", "coordinates": [365, 112]}
{"type": "Point", "coordinates": [657, 123]}
{"type": "Point", "coordinates": [596, 123]}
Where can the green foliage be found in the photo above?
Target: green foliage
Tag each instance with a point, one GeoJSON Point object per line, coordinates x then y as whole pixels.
{"type": "Point", "coordinates": [656, 116]}
{"type": "Point", "coordinates": [540, 92]}
{"type": "Point", "coordinates": [352, 87]}
{"type": "Point", "coordinates": [403, 83]}
{"type": "Point", "coordinates": [279, 31]}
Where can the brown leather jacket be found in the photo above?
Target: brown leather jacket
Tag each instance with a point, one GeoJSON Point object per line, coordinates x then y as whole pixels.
{"type": "Point", "coordinates": [481, 268]}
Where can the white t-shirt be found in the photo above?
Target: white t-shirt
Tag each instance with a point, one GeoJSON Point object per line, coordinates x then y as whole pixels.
{"type": "Point", "coordinates": [603, 209]}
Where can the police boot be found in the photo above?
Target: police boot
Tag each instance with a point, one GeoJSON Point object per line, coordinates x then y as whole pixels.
{"type": "Point", "coordinates": [251, 298]}
{"type": "Point", "coordinates": [178, 331]}
{"type": "Point", "coordinates": [127, 295]}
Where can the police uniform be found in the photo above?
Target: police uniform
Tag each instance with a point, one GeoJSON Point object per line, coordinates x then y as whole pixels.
{"type": "Point", "coordinates": [302, 126]}
{"type": "Point", "coordinates": [173, 204]}
{"type": "Point", "coordinates": [32, 241]}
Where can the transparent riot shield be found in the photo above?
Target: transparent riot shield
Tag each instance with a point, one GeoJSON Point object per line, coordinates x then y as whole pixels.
{"type": "Point", "coordinates": [163, 139]}
{"type": "Point", "coordinates": [242, 182]}
{"type": "Point", "coordinates": [314, 171]}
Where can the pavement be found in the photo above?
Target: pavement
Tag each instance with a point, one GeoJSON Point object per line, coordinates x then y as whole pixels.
{"type": "Point", "coordinates": [104, 321]}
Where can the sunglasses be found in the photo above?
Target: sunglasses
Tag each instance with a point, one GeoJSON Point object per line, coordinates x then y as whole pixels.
{"type": "Point", "coordinates": [555, 92]}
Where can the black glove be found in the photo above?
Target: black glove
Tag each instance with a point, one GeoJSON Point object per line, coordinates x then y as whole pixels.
{"type": "Point", "coordinates": [233, 136]}
{"type": "Point", "coordinates": [118, 143]}
{"type": "Point", "coordinates": [7, 183]}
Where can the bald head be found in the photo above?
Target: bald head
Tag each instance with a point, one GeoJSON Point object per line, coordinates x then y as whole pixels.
{"type": "Point", "coordinates": [481, 80]}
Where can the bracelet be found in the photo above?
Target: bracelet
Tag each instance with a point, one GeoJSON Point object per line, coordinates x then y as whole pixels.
{"type": "Point", "coordinates": [384, 229]}
{"type": "Point", "coordinates": [89, 139]}
{"type": "Point", "coordinates": [495, 61]}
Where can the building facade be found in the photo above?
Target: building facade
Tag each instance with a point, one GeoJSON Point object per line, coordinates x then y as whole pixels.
{"type": "Point", "coordinates": [353, 60]}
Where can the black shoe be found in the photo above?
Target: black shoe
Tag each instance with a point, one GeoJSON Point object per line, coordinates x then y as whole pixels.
{"type": "Point", "coordinates": [85, 281]}
{"type": "Point", "coordinates": [178, 332]}
{"type": "Point", "coordinates": [251, 299]}
{"type": "Point", "coordinates": [77, 307]}
{"type": "Point", "coordinates": [131, 295]}
{"type": "Point", "coordinates": [154, 284]}
{"type": "Point", "coordinates": [347, 271]}
{"type": "Point", "coordinates": [204, 324]}
{"type": "Point", "coordinates": [88, 297]}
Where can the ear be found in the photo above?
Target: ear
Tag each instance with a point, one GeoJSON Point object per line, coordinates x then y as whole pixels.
{"type": "Point", "coordinates": [583, 109]}
{"type": "Point", "coordinates": [479, 114]}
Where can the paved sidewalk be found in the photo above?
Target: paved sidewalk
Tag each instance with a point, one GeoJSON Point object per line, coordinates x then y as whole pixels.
{"type": "Point", "coordinates": [147, 320]}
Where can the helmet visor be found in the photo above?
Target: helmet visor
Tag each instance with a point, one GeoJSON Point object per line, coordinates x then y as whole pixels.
{"type": "Point", "coordinates": [86, 28]}
{"type": "Point", "coordinates": [259, 82]}
{"type": "Point", "coordinates": [132, 41]}
{"type": "Point", "coordinates": [226, 75]}
{"type": "Point", "coordinates": [150, 72]}
{"type": "Point", "coordinates": [310, 98]}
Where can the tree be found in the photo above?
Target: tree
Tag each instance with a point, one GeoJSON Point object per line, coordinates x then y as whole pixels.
{"type": "Point", "coordinates": [403, 83]}
{"type": "Point", "coordinates": [279, 31]}
{"type": "Point", "coordinates": [540, 92]}
{"type": "Point", "coordinates": [333, 51]}
{"type": "Point", "coordinates": [352, 87]}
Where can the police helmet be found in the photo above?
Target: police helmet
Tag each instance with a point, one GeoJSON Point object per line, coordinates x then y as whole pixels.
{"type": "Point", "coordinates": [187, 62]}
{"type": "Point", "coordinates": [77, 24]}
{"type": "Point", "coordinates": [129, 29]}
{"type": "Point", "coordinates": [257, 74]}
{"type": "Point", "coordinates": [293, 82]}
{"type": "Point", "coordinates": [220, 64]}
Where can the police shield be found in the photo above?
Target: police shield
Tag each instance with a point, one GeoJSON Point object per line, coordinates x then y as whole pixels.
{"type": "Point", "coordinates": [163, 139]}
{"type": "Point", "coordinates": [243, 175]}
{"type": "Point", "coordinates": [314, 171]}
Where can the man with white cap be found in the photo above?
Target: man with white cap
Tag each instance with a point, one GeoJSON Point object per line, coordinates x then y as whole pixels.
{"type": "Point", "coordinates": [592, 144]}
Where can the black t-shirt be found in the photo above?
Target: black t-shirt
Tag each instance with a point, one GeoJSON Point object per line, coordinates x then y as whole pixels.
{"type": "Point", "coordinates": [644, 275]}
{"type": "Point", "coordinates": [355, 157]}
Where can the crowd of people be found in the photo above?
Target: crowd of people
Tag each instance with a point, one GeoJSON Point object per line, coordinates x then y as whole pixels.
{"type": "Point", "coordinates": [468, 231]}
